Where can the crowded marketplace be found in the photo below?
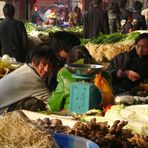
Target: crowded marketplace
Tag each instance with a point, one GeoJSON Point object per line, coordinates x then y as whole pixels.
{"type": "Point", "coordinates": [73, 73]}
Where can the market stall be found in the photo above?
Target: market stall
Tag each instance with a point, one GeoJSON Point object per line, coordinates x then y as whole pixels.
{"type": "Point", "coordinates": [123, 124]}
{"type": "Point", "coordinates": [103, 48]}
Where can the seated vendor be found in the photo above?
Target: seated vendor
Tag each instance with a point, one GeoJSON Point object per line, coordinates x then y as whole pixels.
{"type": "Point", "coordinates": [25, 87]}
{"type": "Point", "coordinates": [130, 68]}
{"type": "Point", "coordinates": [60, 98]}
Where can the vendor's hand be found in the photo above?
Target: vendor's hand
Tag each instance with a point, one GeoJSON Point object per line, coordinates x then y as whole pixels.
{"type": "Point", "coordinates": [132, 75]}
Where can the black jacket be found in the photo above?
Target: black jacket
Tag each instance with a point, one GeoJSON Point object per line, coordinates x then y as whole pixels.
{"type": "Point", "coordinates": [128, 61]}
{"type": "Point", "coordinates": [95, 21]}
{"type": "Point", "coordinates": [13, 39]}
{"type": "Point", "coordinates": [140, 20]}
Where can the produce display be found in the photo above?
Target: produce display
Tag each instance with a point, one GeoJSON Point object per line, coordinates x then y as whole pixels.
{"type": "Point", "coordinates": [50, 126]}
{"type": "Point", "coordinates": [131, 100]}
{"type": "Point", "coordinates": [17, 130]}
{"type": "Point", "coordinates": [38, 34]}
{"type": "Point", "coordinates": [121, 132]}
{"type": "Point", "coordinates": [100, 132]}
{"type": "Point", "coordinates": [135, 115]}
{"type": "Point", "coordinates": [124, 124]}
{"type": "Point", "coordinates": [104, 48]}
{"type": "Point", "coordinates": [119, 125]}
{"type": "Point", "coordinates": [30, 27]}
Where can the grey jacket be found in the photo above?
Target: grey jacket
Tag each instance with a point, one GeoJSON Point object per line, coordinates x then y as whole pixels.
{"type": "Point", "coordinates": [20, 84]}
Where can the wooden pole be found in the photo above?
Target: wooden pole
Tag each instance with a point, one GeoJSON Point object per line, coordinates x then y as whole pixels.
{"type": "Point", "coordinates": [26, 9]}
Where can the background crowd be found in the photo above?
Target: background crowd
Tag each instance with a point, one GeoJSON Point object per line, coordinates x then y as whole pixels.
{"type": "Point", "coordinates": [117, 17]}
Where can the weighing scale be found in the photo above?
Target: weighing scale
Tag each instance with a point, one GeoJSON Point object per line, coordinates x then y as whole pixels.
{"type": "Point", "coordinates": [84, 95]}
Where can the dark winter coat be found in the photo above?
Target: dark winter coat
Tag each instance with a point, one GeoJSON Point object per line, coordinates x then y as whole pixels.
{"type": "Point", "coordinates": [126, 27]}
{"type": "Point", "coordinates": [13, 39]}
{"type": "Point", "coordinates": [128, 61]}
{"type": "Point", "coordinates": [95, 22]}
{"type": "Point", "coordinates": [114, 21]}
{"type": "Point", "coordinates": [140, 20]}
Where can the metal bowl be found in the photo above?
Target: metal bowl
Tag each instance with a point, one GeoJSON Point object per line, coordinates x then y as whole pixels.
{"type": "Point", "coordinates": [84, 69]}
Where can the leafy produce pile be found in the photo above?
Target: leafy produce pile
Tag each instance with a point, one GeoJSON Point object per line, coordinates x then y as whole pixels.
{"type": "Point", "coordinates": [102, 48]}
{"type": "Point", "coordinates": [30, 27]}
{"type": "Point", "coordinates": [37, 34]}
{"type": "Point", "coordinates": [106, 39]}
{"type": "Point", "coordinates": [136, 115]}
{"type": "Point", "coordinates": [105, 47]}
{"type": "Point", "coordinates": [111, 38]}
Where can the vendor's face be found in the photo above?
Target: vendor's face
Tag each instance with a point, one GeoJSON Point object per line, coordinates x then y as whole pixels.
{"type": "Point", "coordinates": [43, 68]}
{"type": "Point", "coordinates": [142, 47]}
{"type": "Point", "coordinates": [63, 54]}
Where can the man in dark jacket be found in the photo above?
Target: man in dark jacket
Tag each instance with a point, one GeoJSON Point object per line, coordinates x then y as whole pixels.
{"type": "Point", "coordinates": [140, 19]}
{"type": "Point", "coordinates": [130, 68]}
{"type": "Point", "coordinates": [95, 21]}
{"type": "Point", "coordinates": [13, 36]}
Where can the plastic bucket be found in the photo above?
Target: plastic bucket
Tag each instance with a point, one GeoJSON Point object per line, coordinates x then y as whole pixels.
{"type": "Point", "coordinates": [70, 141]}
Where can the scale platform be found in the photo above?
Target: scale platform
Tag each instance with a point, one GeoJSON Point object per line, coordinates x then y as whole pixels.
{"type": "Point", "coordinates": [84, 69]}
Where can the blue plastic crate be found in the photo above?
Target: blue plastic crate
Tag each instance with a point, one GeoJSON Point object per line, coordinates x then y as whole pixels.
{"type": "Point", "coordinates": [70, 141]}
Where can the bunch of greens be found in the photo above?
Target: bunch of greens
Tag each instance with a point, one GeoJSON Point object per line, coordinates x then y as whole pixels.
{"type": "Point", "coordinates": [132, 36]}
{"type": "Point", "coordinates": [107, 39]}
{"type": "Point", "coordinates": [111, 38]}
{"type": "Point", "coordinates": [30, 27]}
{"type": "Point", "coordinates": [74, 29]}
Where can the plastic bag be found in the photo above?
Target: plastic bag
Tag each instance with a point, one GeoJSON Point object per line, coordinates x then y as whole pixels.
{"type": "Point", "coordinates": [102, 84]}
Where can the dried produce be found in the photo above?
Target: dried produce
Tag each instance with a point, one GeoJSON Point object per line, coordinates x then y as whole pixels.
{"type": "Point", "coordinates": [140, 140]}
{"type": "Point", "coordinates": [100, 132]}
{"type": "Point", "coordinates": [16, 130]}
{"type": "Point", "coordinates": [50, 126]}
{"type": "Point", "coordinates": [36, 132]}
